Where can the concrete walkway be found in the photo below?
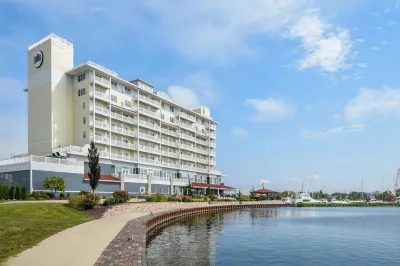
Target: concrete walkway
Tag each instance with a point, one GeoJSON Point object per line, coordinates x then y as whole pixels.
{"type": "Point", "coordinates": [81, 245]}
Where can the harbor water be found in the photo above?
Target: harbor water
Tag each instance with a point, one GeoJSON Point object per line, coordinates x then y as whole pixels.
{"type": "Point", "coordinates": [282, 236]}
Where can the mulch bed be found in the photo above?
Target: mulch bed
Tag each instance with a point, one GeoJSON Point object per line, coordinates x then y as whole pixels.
{"type": "Point", "coordinates": [96, 212]}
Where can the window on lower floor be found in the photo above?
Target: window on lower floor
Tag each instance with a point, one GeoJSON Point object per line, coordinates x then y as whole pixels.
{"type": "Point", "coordinates": [84, 120]}
{"type": "Point", "coordinates": [84, 134]}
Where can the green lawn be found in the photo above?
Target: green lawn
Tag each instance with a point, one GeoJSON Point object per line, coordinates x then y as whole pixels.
{"type": "Point", "coordinates": [25, 225]}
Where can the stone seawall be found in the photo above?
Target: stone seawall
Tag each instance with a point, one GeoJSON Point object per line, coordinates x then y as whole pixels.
{"type": "Point", "coordinates": [152, 206]}
{"type": "Point", "coordinates": [129, 247]}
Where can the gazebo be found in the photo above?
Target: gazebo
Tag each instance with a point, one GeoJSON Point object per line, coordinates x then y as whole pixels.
{"type": "Point", "coordinates": [264, 191]}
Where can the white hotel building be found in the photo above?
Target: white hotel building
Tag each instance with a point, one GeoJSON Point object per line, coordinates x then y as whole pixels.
{"type": "Point", "coordinates": [147, 142]}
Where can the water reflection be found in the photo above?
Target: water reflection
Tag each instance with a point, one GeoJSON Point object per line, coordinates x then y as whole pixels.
{"type": "Point", "coordinates": [287, 236]}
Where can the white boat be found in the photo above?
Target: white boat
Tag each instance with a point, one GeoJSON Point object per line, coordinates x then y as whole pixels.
{"type": "Point", "coordinates": [305, 197]}
{"type": "Point", "coordinates": [287, 200]}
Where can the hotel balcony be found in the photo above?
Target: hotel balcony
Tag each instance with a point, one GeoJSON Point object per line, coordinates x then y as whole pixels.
{"type": "Point", "coordinates": [149, 161]}
{"type": "Point", "coordinates": [100, 124]}
{"type": "Point", "coordinates": [171, 165]}
{"type": "Point", "coordinates": [213, 127]}
{"type": "Point", "coordinates": [212, 145]}
{"type": "Point", "coordinates": [201, 160]}
{"type": "Point", "coordinates": [188, 137]}
{"type": "Point", "coordinates": [170, 154]}
{"type": "Point", "coordinates": [104, 154]}
{"type": "Point", "coordinates": [202, 142]}
{"type": "Point", "coordinates": [212, 153]}
{"type": "Point", "coordinates": [187, 157]}
{"type": "Point", "coordinates": [123, 144]}
{"type": "Point", "coordinates": [213, 162]}
{"type": "Point", "coordinates": [188, 127]}
{"type": "Point", "coordinates": [123, 118]}
{"type": "Point", "coordinates": [202, 151]}
{"type": "Point", "coordinates": [148, 125]}
{"type": "Point", "coordinates": [123, 157]}
{"type": "Point", "coordinates": [102, 81]}
{"type": "Point", "coordinates": [201, 170]}
{"type": "Point", "coordinates": [148, 149]}
{"type": "Point", "coordinates": [188, 167]}
{"type": "Point", "coordinates": [101, 139]}
{"type": "Point", "coordinates": [100, 95]}
{"type": "Point", "coordinates": [187, 117]}
{"type": "Point", "coordinates": [149, 137]}
{"type": "Point", "coordinates": [149, 101]}
{"type": "Point", "coordinates": [169, 143]}
{"type": "Point", "coordinates": [215, 172]}
{"type": "Point", "coordinates": [169, 132]}
{"type": "Point", "coordinates": [123, 131]}
{"type": "Point", "coordinates": [187, 147]}
{"type": "Point", "coordinates": [148, 112]}
{"type": "Point", "coordinates": [212, 135]}
{"type": "Point", "coordinates": [100, 110]}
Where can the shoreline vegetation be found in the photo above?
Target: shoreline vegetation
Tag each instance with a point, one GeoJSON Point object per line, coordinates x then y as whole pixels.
{"type": "Point", "coordinates": [380, 204]}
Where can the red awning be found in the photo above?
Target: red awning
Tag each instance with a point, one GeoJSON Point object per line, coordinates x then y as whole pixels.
{"type": "Point", "coordinates": [265, 191]}
{"type": "Point", "coordinates": [106, 178]}
{"type": "Point", "coordinates": [213, 186]}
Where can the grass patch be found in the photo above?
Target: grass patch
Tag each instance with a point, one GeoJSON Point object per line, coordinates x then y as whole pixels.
{"type": "Point", "coordinates": [25, 225]}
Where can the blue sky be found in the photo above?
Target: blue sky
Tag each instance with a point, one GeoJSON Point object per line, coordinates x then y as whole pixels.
{"type": "Point", "coordinates": [303, 90]}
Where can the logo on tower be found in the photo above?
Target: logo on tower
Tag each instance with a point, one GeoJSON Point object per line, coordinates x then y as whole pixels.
{"type": "Point", "coordinates": [38, 59]}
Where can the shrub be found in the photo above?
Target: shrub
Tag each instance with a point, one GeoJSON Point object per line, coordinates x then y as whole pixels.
{"type": "Point", "coordinates": [173, 199]}
{"type": "Point", "coordinates": [106, 202]}
{"type": "Point", "coordinates": [62, 195]}
{"type": "Point", "coordinates": [17, 193]}
{"type": "Point", "coordinates": [111, 201]}
{"type": "Point", "coordinates": [39, 195]}
{"type": "Point", "coordinates": [11, 193]}
{"type": "Point", "coordinates": [90, 200]}
{"type": "Point", "coordinates": [76, 201]}
{"type": "Point", "coordinates": [198, 200]}
{"type": "Point", "coordinates": [49, 195]}
{"type": "Point", "coordinates": [54, 183]}
{"type": "Point", "coordinates": [23, 193]}
{"type": "Point", "coordinates": [1, 192]}
{"type": "Point", "coordinates": [121, 194]}
{"type": "Point", "coordinates": [31, 198]}
{"type": "Point", "coordinates": [187, 199]}
{"type": "Point", "coordinates": [83, 192]}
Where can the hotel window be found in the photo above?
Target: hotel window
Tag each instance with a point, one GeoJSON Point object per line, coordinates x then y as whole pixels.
{"type": "Point", "coordinates": [127, 90]}
{"type": "Point", "coordinates": [114, 98]}
{"type": "Point", "coordinates": [162, 116]}
{"type": "Point", "coordinates": [84, 134]}
{"type": "Point", "coordinates": [114, 84]}
{"type": "Point", "coordinates": [84, 105]}
{"type": "Point", "coordinates": [84, 120]}
{"type": "Point", "coordinates": [171, 119]}
{"type": "Point", "coordinates": [171, 108]}
{"type": "Point", "coordinates": [81, 92]}
{"type": "Point", "coordinates": [128, 103]}
{"type": "Point", "coordinates": [81, 77]}
{"type": "Point", "coordinates": [162, 105]}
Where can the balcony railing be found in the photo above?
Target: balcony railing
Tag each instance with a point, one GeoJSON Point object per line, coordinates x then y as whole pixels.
{"type": "Point", "coordinates": [162, 178]}
{"type": "Point", "coordinates": [213, 162]}
{"type": "Point", "coordinates": [169, 143]}
{"type": "Point", "coordinates": [99, 95]}
{"type": "Point", "coordinates": [148, 124]}
{"type": "Point", "coordinates": [180, 180]}
{"type": "Point", "coordinates": [215, 172]}
{"type": "Point", "coordinates": [102, 139]}
{"type": "Point", "coordinates": [149, 137]}
{"type": "Point", "coordinates": [188, 137]}
{"type": "Point", "coordinates": [188, 167]}
{"type": "Point", "coordinates": [203, 142]}
{"type": "Point", "coordinates": [123, 157]}
{"type": "Point", "coordinates": [102, 81]}
{"type": "Point", "coordinates": [202, 151]}
{"type": "Point", "coordinates": [212, 153]}
{"type": "Point", "coordinates": [188, 127]}
{"type": "Point", "coordinates": [202, 170]}
{"type": "Point", "coordinates": [187, 157]}
{"type": "Point", "coordinates": [149, 161]}
{"type": "Point", "coordinates": [148, 112]}
{"type": "Point", "coordinates": [169, 132]}
{"type": "Point", "coordinates": [123, 144]}
{"type": "Point", "coordinates": [123, 131]}
{"type": "Point", "coordinates": [187, 147]}
{"type": "Point", "coordinates": [213, 127]}
{"type": "Point", "coordinates": [104, 154]}
{"type": "Point", "coordinates": [188, 117]}
{"type": "Point", "coordinates": [101, 110]}
{"type": "Point", "coordinates": [149, 149]}
{"type": "Point", "coordinates": [149, 101]}
{"type": "Point", "coordinates": [172, 165]}
{"type": "Point", "coordinates": [170, 154]}
{"type": "Point", "coordinates": [201, 160]}
{"type": "Point", "coordinates": [213, 144]}
{"type": "Point", "coordinates": [100, 124]}
{"type": "Point", "coordinates": [123, 118]}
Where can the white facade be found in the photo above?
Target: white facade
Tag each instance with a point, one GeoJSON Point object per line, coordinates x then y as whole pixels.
{"type": "Point", "coordinates": [133, 126]}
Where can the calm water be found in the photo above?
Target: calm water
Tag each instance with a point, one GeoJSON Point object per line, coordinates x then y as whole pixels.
{"type": "Point", "coordinates": [287, 236]}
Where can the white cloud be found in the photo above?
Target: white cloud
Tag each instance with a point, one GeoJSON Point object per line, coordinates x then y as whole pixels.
{"type": "Point", "coordinates": [370, 102]}
{"type": "Point", "coordinates": [203, 84]}
{"type": "Point", "coordinates": [325, 48]}
{"type": "Point", "coordinates": [270, 109]}
{"type": "Point", "coordinates": [307, 134]}
{"type": "Point", "coordinates": [375, 48]}
{"type": "Point", "coordinates": [315, 177]}
{"type": "Point", "coordinates": [360, 40]}
{"type": "Point", "coordinates": [239, 132]}
{"type": "Point", "coordinates": [183, 96]}
{"type": "Point", "coordinates": [208, 30]}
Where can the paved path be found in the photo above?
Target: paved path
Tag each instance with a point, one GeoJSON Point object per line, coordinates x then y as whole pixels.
{"type": "Point", "coordinates": [81, 245]}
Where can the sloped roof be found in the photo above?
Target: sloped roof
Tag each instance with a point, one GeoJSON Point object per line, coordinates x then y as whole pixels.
{"type": "Point", "coordinates": [106, 178]}
{"type": "Point", "coordinates": [215, 186]}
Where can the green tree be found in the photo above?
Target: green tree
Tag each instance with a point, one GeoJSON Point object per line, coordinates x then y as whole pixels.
{"type": "Point", "coordinates": [252, 193]}
{"type": "Point", "coordinates": [1, 192]}
{"type": "Point", "coordinates": [54, 183]}
{"type": "Point", "coordinates": [94, 166]}
{"type": "Point", "coordinates": [11, 193]}
{"type": "Point", "coordinates": [397, 192]}
{"type": "Point", "coordinates": [188, 190]}
{"type": "Point", "coordinates": [208, 191]}
{"type": "Point", "coordinates": [6, 192]}
{"type": "Point", "coordinates": [17, 193]}
{"type": "Point", "coordinates": [23, 193]}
